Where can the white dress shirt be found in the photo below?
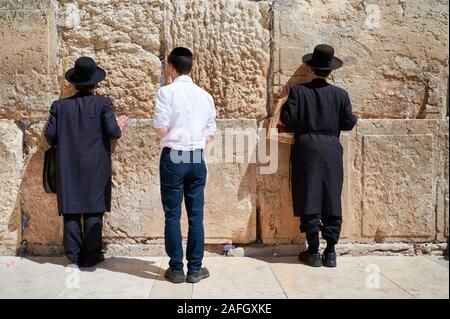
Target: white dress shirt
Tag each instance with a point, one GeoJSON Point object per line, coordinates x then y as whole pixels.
{"type": "Point", "coordinates": [187, 111]}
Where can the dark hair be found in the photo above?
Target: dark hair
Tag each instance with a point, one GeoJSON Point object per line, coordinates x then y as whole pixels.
{"type": "Point", "coordinates": [322, 73]}
{"type": "Point", "coordinates": [181, 60]}
{"type": "Point", "coordinates": [85, 88]}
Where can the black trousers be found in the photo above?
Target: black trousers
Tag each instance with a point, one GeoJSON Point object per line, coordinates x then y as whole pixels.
{"type": "Point", "coordinates": [330, 226]}
{"type": "Point", "coordinates": [83, 244]}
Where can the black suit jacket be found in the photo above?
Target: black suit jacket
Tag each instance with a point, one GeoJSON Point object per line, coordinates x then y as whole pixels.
{"type": "Point", "coordinates": [318, 107]}
{"type": "Point", "coordinates": [82, 127]}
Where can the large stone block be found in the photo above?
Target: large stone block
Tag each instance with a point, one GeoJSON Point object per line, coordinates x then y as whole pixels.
{"type": "Point", "coordinates": [28, 81]}
{"type": "Point", "coordinates": [42, 224]}
{"type": "Point", "coordinates": [124, 38]}
{"type": "Point", "coordinates": [137, 215]}
{"type": "Point", "coordinates": [11, 138]}
{"type": "Point", "coordinates": [231, 191]}
{"type": "Point", "coordinates": [384, 72]}
{"type": "Point", "coordinates": [231, 44]}
{"type": "Point", "coordinates": [398, 189]}
{"type": "Point", "coordinates": [395, 189]}
{"type": "Point", "coordinates": [276, 217]}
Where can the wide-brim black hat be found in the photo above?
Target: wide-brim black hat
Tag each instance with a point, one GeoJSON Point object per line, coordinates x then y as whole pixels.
{"type": "Point", "coordinates": [85, 72]}
{"type": "Point", "coordinates": [322, 58]}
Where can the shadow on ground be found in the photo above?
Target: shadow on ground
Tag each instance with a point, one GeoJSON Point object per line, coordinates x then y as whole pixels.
{"type": "Point", "coordinates": [147, 269]}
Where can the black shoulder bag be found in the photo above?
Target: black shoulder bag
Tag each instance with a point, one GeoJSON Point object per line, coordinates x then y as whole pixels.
{"type": "Point", "coordinates": [49, 177]}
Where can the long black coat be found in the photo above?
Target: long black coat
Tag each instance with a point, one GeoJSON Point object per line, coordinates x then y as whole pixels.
{"type": "Point", "coordinates": [317, 112]}
{"type": "Point", "coordinates": [82, 127]}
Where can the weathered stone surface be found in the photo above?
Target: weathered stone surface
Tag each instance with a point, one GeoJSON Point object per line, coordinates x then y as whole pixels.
{"type": "Point", "coordinates": [395, 185]}
{"type": "Point", "coordinates": [124, 38]}
{"type": "Point", "coordinates": [156, 249]}
{"type": "Point", "coordinates": [43, 225]}
{"type": "Point", "coordinates": [230, 204]}
{"type": "Point", "coordinates": [398, 191]}
{"type": "Point", "coordinates": [136, 210]}
{"type": "Point", "coordinates": [28, 81]}
{"type": "Point", "coordinates": [10, 179]}
{"type": "Point", "coordinates": [384, 72]}
{"type": "Point", "coordinates": [231, 44]}
{"type": "Point", "coordinates": [230, 195]}
{"type": "Point", "coordinates": [258, 249]}
{"type": "Point", "coordinates": [137, 215]}
{"type": "Point", "coordinates": [351, 248]}
{"type": "Point", "coordinates": [25, 4]}
{"type": "Point", "coordinates": [277, 221]}
{"type": "Point", "coordinates": [442, 182]}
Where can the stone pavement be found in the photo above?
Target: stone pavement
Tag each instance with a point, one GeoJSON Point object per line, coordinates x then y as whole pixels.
{"type": "Point", "coordinates": [231, 277]}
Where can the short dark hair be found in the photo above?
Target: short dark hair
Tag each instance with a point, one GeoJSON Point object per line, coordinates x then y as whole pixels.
{"type": "Point", "coordinates": [85, 88]}
{"type": "Point", "coordinates": [322, 73]}
{"type": "Point", "coordinates": [181, 59]}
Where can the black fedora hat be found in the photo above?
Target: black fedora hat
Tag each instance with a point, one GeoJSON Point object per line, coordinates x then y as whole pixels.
{"type": "Point", "coordinates": [322, 58]}
{"type": "Point", "coordinates": [85, 72]}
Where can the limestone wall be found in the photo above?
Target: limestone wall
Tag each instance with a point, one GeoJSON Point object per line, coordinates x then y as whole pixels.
{"type": "Point", "coordinates": [396, 71]}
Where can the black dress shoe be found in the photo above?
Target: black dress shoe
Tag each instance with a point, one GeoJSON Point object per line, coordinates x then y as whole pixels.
{"type": "Point", "coordinates": [329, 259]}
{"type": "Point", "coordinates": [312, 260]}
{"type": "Point", "coordinates": [175, 276]}
{"type": "Point", "coordinates": [196, 276]}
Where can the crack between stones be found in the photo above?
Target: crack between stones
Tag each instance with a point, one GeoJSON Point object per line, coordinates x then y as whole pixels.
{"type": "Point", "coordinates": [422, 111]}
{"type": "Point", "coordinates": [387, 278]}
{"type": "Point", "coordinates": [270, 102]}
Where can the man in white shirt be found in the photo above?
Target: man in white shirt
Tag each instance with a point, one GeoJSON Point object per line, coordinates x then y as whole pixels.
{"type": "Point", "coordinates": [185, 121]}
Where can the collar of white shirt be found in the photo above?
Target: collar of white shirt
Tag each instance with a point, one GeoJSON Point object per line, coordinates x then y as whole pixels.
{"type": "Point", "coordinates": [183, 78]}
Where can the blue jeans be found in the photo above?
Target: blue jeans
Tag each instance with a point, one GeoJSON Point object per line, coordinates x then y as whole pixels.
{"type": "Point", "coordinates": [183, 174]}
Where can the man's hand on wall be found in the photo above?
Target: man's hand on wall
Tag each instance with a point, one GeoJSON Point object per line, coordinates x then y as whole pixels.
{"type": "Point", "coordinates": [284, 91]}
{"type": "Point", "coordinates": [122, 121]}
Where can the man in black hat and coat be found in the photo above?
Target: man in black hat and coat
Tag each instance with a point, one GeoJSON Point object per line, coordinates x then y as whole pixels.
{"type": "Point", "coordinates": [317, 112]}
{"type": "Point", "coordinates": [82, 127]}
